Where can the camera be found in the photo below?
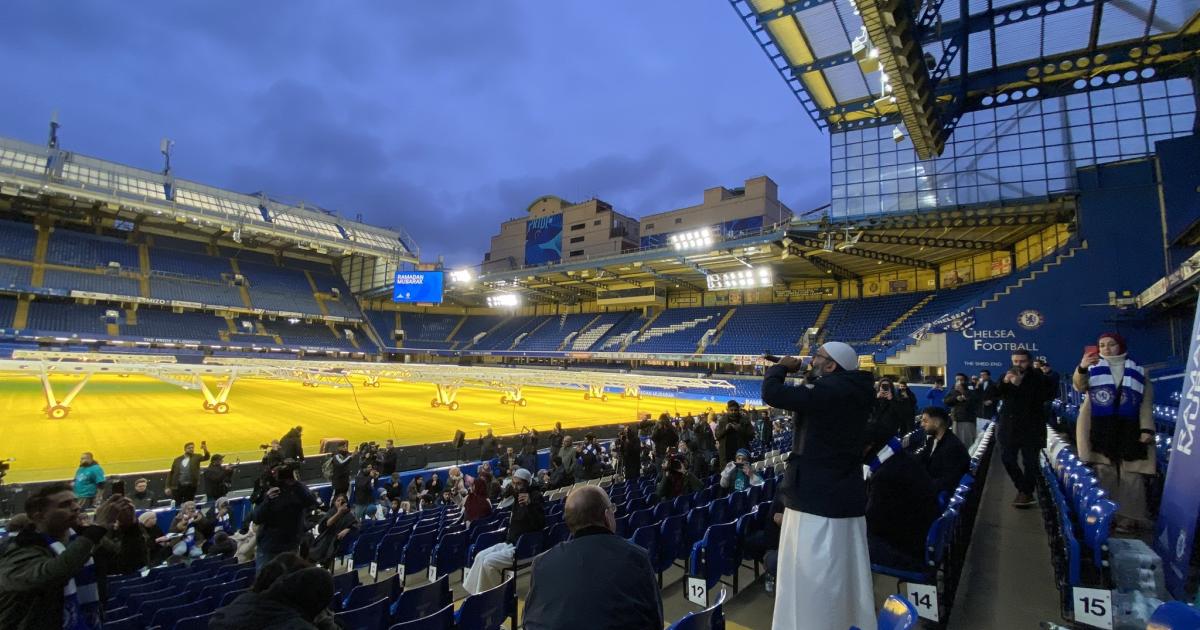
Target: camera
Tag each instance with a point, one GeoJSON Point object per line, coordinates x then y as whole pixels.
{"type": "Point", "coordinates": [264, 447]}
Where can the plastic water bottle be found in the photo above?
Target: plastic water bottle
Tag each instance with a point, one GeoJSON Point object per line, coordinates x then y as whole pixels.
{"type": "Point", "coordinates": [769, 586]}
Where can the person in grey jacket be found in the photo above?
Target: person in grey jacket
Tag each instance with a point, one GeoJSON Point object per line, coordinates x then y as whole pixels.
{"type": "Point", "coordinates": [618, 590]}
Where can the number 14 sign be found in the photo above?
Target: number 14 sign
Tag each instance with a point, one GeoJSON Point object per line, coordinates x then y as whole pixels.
{"type": "Point", "coordinates": [923, 597]}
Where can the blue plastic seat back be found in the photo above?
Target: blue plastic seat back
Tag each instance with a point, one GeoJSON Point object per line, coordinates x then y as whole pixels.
{"type": "Point", "coordinates": [897, 614]}
{"type": "Point", "coordinates": [450, 552]}
{"type": "Point", "coordinates": [737, 504]}
{"type": "Point", "coordinates": [661, 511]}
{"type": "Point", "coordinates": [528, 545]}
{"type": "Point", "coordinates": [623, 525]}
{"type": "Point", "coordinates": [132, 622]}
{"type": "Point", "coordinates": [440, 620]}
{"type": "Point", "coordinates": [1096, 527]}
{"type": "Point", "coordinates": [697, 523]}
{"type": "Point", "coordinates": [417, 552]}
{"type": "Point", "coordinates": [198, 622]}
{"type": "Point", "coordinates": [641, 518]}
{"type": "Point", "coordinates": [718, 511]}
{"type": "Point", "coordinates": [647, 538]}
{"type": "Point", "coordinates": [344, 582]}
{"type": "Point", "coordinates": [372, 616]}
{"type": "Point", "coordinates": [670, 542]}
{"type": "Point", "coordinates": [390, 549]}
{"type": "Point", "coordinates": [422, 601]}
{"type": "Point", "coordinates": [487, 610]}
{"type": "Point", "coordinates": [711, 618]}
{"type": "Point", "coordinates": [714, 555]}
{"type": "Point", "coordinates": [485, 540]}
{"type": "Point", "coordinates": [1171, 616]}
{"type": "Point", "coordinates": [364, 594]}
{"type": "Point", "coordinates": [558, 533]}
{"type": "Point", "coordinates": [168, 616]}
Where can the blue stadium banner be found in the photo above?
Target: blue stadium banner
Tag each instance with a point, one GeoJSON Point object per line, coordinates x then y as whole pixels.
{"type": "Point", "coordinates": [1176, 528]}
{"type": "Point", "coordinates": [543, 239]}
{"type": "Point", "coordinates": [418, 286]}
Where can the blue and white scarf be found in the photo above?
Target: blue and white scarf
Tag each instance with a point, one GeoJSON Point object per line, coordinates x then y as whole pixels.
{"type": "Point", "coordinates": [81, 598]}
{"type": "Point", "coordinates": [891, 448]}
{"type": "Point", "coordinates": [1110, 400]}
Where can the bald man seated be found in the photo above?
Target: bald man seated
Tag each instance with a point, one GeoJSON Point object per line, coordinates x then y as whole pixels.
{"type": "Point", "coordinates": [596, 579]}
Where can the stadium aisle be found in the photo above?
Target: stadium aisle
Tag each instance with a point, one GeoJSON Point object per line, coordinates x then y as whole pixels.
{"type": "Point", "coordinates": [1007, 581]}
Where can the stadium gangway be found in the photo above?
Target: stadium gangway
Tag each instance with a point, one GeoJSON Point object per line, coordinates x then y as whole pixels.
{"type": "Point", "coordinates": [448, 379]}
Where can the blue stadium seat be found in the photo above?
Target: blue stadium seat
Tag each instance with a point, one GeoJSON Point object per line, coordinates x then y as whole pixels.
{"type": "Point", "coordinates": [132, 622]}
{"type": "Point", "coordinates": [485, 540]}
{"type": "Point", "coordinates": [167, 617]}
{"type": "Point", "coordinates": [670, 544]}
{"type": "Point", "coordinates": [363, 550]}
{"type": "Point", "coordinates": [440, 620]}
{"type": "Point", "coordinates": [389, 552]}
{"type": "Point", "coordinates": [528, 545]}
{"type": "Point", "coordinates": [897, 614]}
{"type": "Point", "coordinates": [715, 555]}
{"type": "Point", "coordinates": [421, 601]}
{"type": "Point", "coordinates": [417, 552]}
{"type": "Point", "coordinates": [711, 618]}
{"type": "Point", "coordinates": [1173, 616]}
{"type": "Point", "coordinates": [372, 616]}
{"type": "Point", "coordinates": [198, 622]}
{"type": "Point", "coordinates": [450, 553]}
{"type": "Point", "coordinates": [367, 593]}
{"type": "Point", "coordinates": [487, 610]}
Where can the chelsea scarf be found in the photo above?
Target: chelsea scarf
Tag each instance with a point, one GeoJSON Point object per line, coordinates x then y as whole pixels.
{"type": "Point", "coordinates": [891, 448]}
{"type": "Point", "coordinates": [81, 599]}
{"type": "Point", "coordinates": [1115, 411]}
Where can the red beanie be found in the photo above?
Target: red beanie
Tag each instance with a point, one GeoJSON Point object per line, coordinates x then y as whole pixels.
{"type": "Point", "coordinates": [1115, 337]}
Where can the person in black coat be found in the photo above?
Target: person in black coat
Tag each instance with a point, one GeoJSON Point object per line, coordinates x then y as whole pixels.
{"type": "Point", "coordinates": [823, 491]}
{"type": "Point", "coordinates": [944, 456]}
{"type": "Point", "coordinates": [1022, 428]}
{"type": "Point", "coordinates": [665, 436]}
{"type": "Point", "coordinates": [987, 397]}
{"type": "Point", "coordinates": [630, 448]}
{"type": "Point", "coordinates": [387, 458]}
{"type": "Point", "coordinates": [891, 410]}
{"type": "Point", "coordinates": [733, 432]}
{"type": "Point", "coordinates": [218, 478]}
{"type": "Point", "coordinates": [290, 447]}
{"type": "Point", "coordinates": [618, 592]}
{"type": "Point", "coordinates": [961, 401]}
{"type": "Point", "coordinates": [185, 474]}
{"type": "Point", "coordinates": [288, 593]}
{"type": "Point", "coordinates": [340, 464]}
{"type": "Point", "coordinates": [364, 490]}
{"type": "Point", "coordinates": [901, 502]}
{"type": "Point", "coordinates": [281, 516]}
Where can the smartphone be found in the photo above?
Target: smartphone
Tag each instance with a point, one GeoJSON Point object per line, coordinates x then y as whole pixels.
{"type": "Point", "coordinates": [1091, 349]}
{"type": "Point", "coordinates": [118, 486]}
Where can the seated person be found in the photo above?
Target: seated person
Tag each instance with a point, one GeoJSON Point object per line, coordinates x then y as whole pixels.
{"type": "Point", "coordinates": [487, 571]}
{"type": "Point", "coordinates": [764, 544]}
{"type": "Point", "coordinates": [143, 498]}
{"type": "Point", "coordinates": [618, 590]}
{"type": "Point", "coordinates": [287, 593]}
{"type": "Point", "coordinates": [337, 523]}
{"type": "Point", "coordinates": [739, 474]}
{"type": "Point", "coordinates": [901, 500]}
{"type": "Point", "coordinates": [945, 458]}
{"type": "Point", "coordinates": [676, 479]}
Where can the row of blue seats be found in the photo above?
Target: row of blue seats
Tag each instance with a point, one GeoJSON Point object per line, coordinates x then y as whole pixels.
{"type": "Point", "coordinates": [1078, 509]}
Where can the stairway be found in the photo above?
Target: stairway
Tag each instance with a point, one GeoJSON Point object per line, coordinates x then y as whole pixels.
{"type": "Point", "coordinates": [521, 337]}
{"type": "Point", "coordinates": [822, 317]}
{"type": "Point", "coordinates": [1058, 260]}
{"type": "Point", "coordinates": [233, 264]}
{"type": "Point", "coordinates": [144, 263]}
{"type": "Point", "coordinates": [720, 330]}
{"type": "Point", "coordinates": [457, 326]}
{"type": "Point", "coordinates": [21, 316]}
{"type": "Point", "coordinates": [568, 339]}
{"type": "Point", "coordinates": [900, 320]}
{"type": "Point", "coordinates": [39, 253]}
{"type": "Point", "coordinates": [640, 332]}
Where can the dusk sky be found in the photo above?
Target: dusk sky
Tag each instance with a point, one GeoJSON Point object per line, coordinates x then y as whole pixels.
{"type": "Point", "coordinates": [443, 118]}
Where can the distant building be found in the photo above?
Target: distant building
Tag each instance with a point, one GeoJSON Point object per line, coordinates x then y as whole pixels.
{"type": "Point", "coordinates": [556, 230]}
{"type": "Point", "coordinates": [725, 211]}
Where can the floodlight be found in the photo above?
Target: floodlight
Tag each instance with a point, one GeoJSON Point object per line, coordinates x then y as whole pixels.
{"type": "Point", "coordinates": [461, 276]}
{"type": "Point", "coordinates": [503, 300]}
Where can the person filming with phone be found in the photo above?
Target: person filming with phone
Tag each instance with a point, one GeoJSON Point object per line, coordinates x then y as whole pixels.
{"type": "Point", "coordinates": [824, 568]}
{"type": "Point", "coordinates": [184, 475]}
{"type": "Point", "coordinates": [1115, 429]}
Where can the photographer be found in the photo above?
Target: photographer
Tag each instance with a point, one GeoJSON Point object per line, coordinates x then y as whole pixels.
{"type": "Point", "coordinates": [338, 466]}
{"type": "Point", "coordinates": [739, 474]}
{"type": "Point", "coordinates": [364, 490]}
{"type": "Point", "coordinates": [280, 516]}
{"type": "Point", "coordinates": [184, 475]}
{"type": "Point", "coordinates": [387, 459]}
{"type": "Point", "coordinates": [676, 479]}
{"type": "Point", "coordinates": [961, 403]}
{"type": "Point", "coordinates": [272, 455]}
{"type": "Point", "coordinates": [218, 478]}
{"type": "Point", "coordinates": [890, 409]}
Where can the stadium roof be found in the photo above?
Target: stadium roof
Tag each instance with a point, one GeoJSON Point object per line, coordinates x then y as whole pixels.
{"type": "Point", "coordinates": [814, 250]}
{"type": "Point", "coordinates": [942, 58]}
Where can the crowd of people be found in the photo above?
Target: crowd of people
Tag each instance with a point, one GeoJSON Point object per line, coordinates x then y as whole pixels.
{"type": "Point", "coordinates": [850, 495]}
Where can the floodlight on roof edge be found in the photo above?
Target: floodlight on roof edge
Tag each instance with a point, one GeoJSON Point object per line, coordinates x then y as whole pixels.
{"type": "Point", "coordinates": [702, 238]}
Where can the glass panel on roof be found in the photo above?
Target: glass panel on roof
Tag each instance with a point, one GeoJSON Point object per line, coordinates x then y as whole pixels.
{"type": "Point", "coordinates": [1120, 22]}
{"type": "Point", "coordinates": [1018, 42]}
{"type": "Point", "coordinates": [980, 51]}
{"type": "Point", "coordinates": [823, 30]}
{"type": "Point", "coordinates": [846, 81]}
{"type": "Point", "coordinates": [1066, 31]}
{"type": "Point", "coordinates": [1170, 16]}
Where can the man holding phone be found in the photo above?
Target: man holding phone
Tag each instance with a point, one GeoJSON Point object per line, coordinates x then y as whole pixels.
{"type": "Point", "coordinates": [487, 571]}
{"type": "Point", "coordinates": [1022, 429]}
{"type": "Point", "coordinates": [739, 474]}
{"type": "Point", "coordinates": [184, 475]}
{"type": "Point", "coordinates": [824, 572]}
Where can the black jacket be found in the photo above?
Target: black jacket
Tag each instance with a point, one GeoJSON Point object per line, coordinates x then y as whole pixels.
{"type": "Point", "coordinates": [984, 395]}
{"type": "Point", "coordinates": [217, 481]}
{"type": "Point", "coordinates": [665, 437]}
{"type": "Point", "coordinates": [281, 520]}
{"type": "Point", "coordinates": [289, 446]}
{"type": "Point", "coordinates": [824, 473]}
{"type": "Point", "coordinates": [901, 505]}
{"type": "Point", "coordinates": [620, 590]}
{"type": "Point", "coordinates": [961, 405]}
{"type": "Point", "coordinates": [946, 461]}
{"type": "Point", "coordinates": [732, 430]}
{"type": "Point", "coordinates": [1022, 419]}
{"type": "Point", "coordinates": [895, 414]}
{"type": "Point", "coordinates": [364, 490]}
{"type": "Point", "coordinates": [32, 578]}
{"type": "Point", "coordinates": [186, 476]}
{"type": "Point", "coordinates": [297, 601]}
{"type": "Point", "coordinates": [525, 518]}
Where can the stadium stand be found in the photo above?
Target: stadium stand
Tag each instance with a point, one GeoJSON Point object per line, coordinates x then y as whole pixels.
{"type": "Point", "coordinates": [473, 327]}
{"type": "Point", "coordinates": [77, 249]}
{"type": "Point", "coordinates": [65, 317]}
{"type": "Point", "coordinates": [554, 333]}
{"type": "Point", "coordinates": [189, 264]}
{"type": "Point", "coordinates": [15, 276]}
{"type": "Point", "coordinates": [857, 321]}
{"type": "Point", "coordinates": [95, 282]}
{"type": "Point", "coordinates": [210, 293]}
{"type": "Point", "coordinates": [755, 328]}
{"type": "Point", "coordinates": [427, 330]}
{"type": "Point", "coordinates": [17, 240]}
{"type": "Point", "coordinates": [503, 336]}
{"type": "Point", "coordinates": [8, 308]}
{"type": "Point", "coordinates": [678, 330]}
{"type": "Point", "coordinates": [310, 334]}
{"type": "Point", "coordinates": [594, 332]}
{"type": "Point", "coordinates": [160, 324]}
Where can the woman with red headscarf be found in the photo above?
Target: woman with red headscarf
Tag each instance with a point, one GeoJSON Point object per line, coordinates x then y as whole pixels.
{"type": "Point", "coordinates": [476, 505]}
{"type": "Point", "coordinates": [1115, 430]}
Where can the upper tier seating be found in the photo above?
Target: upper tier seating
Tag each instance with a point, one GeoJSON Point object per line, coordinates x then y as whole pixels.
{"type": "Point", "coordinates": [678, 330]}
{"type": "Point", "coordinates": [88, 250]}
{"type": "Point", "coordinates": [67, 317]}
{"type": "Point", "coordinates": [97, 283]}
{"type": "Point", "coordinates": [279, 289]}
{"type": "Point", "coordinates": [204, 292]}
{"type": "Point", "coordinates": [588, 336]}
{"type": "Point", "coordinates": [503, 337]}
{"type": "Point", "coordinates": [776, 328]}
{"type": "Point", "coordinates": [17, 240]}
{"type": "Point", "coordinates": [15, 276]}
{"type": "Point", "coordinates": [552, 334]}
{"type": "Point", "coordinates": [611, 341]}
{"type": "Point", "coordinates": [187, 326]}
{"type": "Point", "coordinates": [473, 326]}
{"type": "Point", "coordinates": [190, 264]}
{"type": "Point", "coordinates": [420, 329]}
{"type": "Point", "coordinates": [310, 334]}
{"type": "Point", "coordinates": [384, 323]}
